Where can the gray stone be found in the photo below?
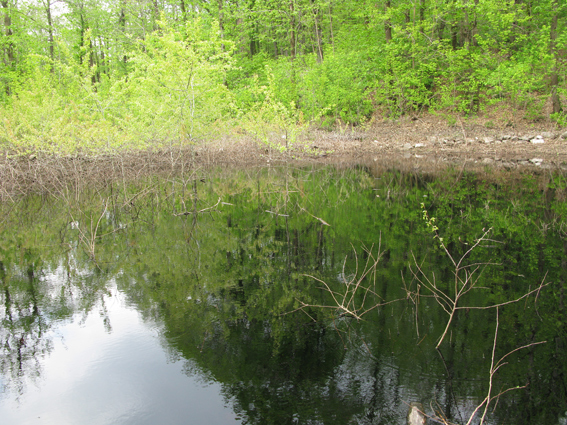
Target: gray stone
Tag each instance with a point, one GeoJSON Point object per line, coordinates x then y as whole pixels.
{"type": "Point", "coordinates": [564, 136]}
{"type": "Point", "coordinates": [407, 146]}
{"type": "Point", "coordinates": [416, 414]}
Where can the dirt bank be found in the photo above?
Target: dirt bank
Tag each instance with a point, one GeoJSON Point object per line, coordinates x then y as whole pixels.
{"type": "Point", "coordinates": [426, 142]}
{"type": "Point", "coordinates": [422, 144]}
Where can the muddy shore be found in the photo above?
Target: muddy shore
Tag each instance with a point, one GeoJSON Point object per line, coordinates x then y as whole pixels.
{"type": "Point", "coordinates": [423, 142]}
{"type": "Point", "coordinates": [418, 144]}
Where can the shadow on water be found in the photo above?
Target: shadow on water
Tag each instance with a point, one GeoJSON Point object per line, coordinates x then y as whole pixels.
{"type": "Point", "coordinates": [310, 295]}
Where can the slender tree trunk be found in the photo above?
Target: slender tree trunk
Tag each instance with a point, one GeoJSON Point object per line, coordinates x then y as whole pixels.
{"type": "Point", "coordinates": [122, 25]}
{"type": "Point", "coordinates": [183, 10]}
{"type": "Point", "coordinates": [50, 32]}
{"type": "Point", "coordinates": [253, 44]}
{"type": "Point", "coordinates": [292, 41]}
{"type": "Point", "coordinates": [331, 25]}
{"type": "Point", "coordinates": [474, 29]}
{"type": "Point", "coordinates": [9, 58]}
{"type": "Point", "coordinates": [388, 23]}
{"type": "Point", "coordinates": [82, 37]}
{"type": "Point", "coordinates": [317, 33]}
{"type": "Point", "coordinates": [221, 23]}
{"type": "Point", "coordinates": [466, 29]}
{"type": "Point", "coordinates": [454, 36]}
{"type": "Point", "coordinates": [441, 29]}
{"type": "Point", "coordinates": [155, 15]}
{"type": "Point", "coordinates": [242, 32]}
{"type": "Point", "coordinates": [93, 63]}
{"type": "Point", "coordinates": [555, 100]}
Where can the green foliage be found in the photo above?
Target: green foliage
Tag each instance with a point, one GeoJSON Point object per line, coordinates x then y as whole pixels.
{"type": "Point", "coordinates": [268, 119]}
{"type": "Point", "coordinates": [99, 79]}
{"type": "Point", "coordinates": [174, 93]}
{"type": "Point", "coordinates": [175, 90]}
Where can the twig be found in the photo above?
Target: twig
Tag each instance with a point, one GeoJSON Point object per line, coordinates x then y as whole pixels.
{"type": "Point", "coordinates": [316, 218]}
{"type": "Point", "coordinates": [201, 211]}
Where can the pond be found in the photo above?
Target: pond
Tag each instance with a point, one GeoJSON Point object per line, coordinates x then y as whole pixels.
{"type": "Point", "coordinates": [287, 295]}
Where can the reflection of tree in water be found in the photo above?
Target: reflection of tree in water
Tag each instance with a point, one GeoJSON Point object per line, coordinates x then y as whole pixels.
{"type": "Point", "coordinates": [23, 332]}
{"type": "Point", "coordinates": [219, 281]}
{"type": "Point", "coordinates": [292, 383]}
{"type": "Point", "coordinates": [35, 299]}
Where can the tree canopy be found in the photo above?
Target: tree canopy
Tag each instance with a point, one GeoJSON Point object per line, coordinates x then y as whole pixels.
{"type": "Point", "coordinates": [115, 74]}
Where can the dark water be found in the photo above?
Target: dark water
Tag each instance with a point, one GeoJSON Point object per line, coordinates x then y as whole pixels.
{"type": "Point", "coordinates": [281, 296]}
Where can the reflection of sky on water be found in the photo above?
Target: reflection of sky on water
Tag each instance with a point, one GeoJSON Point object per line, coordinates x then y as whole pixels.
{"type": "Point", "coordinates": [93, 376]}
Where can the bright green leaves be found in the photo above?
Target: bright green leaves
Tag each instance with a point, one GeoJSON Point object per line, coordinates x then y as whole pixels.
{"type": "Point", "coordinates": [129, 76]}
{"type": "Point", "coordinates": [268, 119]}
{"type": "Point", "coordinates": [173, 93]}
{"type": "Point", "coordinates": [176, 86]}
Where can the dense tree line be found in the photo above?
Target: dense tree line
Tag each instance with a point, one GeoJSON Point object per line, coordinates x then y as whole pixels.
{"type": "Point", "coordinates": [210, 62]}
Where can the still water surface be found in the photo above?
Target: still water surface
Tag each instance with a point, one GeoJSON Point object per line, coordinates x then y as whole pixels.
{"type": "Point", "coordinates": [284, 296]}
{"type": "Point", "coordinates": [113, 370]}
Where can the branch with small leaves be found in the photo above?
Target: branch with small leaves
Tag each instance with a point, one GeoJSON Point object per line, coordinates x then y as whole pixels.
{"type": "Point", "coordinates": [466, 277]}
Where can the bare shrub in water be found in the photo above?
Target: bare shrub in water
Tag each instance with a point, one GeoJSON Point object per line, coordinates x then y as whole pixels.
{"type": "Point", "coordinates": [356, 290]}
{"type": "Point", "coordinates": [466, 277]}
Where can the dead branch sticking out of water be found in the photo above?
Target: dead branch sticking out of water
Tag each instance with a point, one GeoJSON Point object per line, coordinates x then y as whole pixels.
{"type": "Point", "coordinates": [495, 365]}
{"type": "Point", "coordinates": [466, 277]}
{"type": "Point", "coordinates": [88, 228]}
{"type": "Point", "coordinates": [345, 301]}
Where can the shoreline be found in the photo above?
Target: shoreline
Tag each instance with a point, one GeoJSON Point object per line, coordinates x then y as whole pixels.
{"type": "Point", "coordinates": [407, 145]}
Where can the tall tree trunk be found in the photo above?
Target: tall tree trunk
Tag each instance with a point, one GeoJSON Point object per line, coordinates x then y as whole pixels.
{"type": "Point", "coordinates": [441, 29]}
{"type": "Point", "coordinates": [9, 57]}
{"type": "Point", "coordinates": [332, 36]}
{"type": "Point", "coordinates": [122, 25]}
{"type": "Point", "coordinates": [555, 100]}
{"type": "Point", "coordinates": [183, 10]}
{"type": "Point", "coordinates": [454, 36]}
{"type": "Point", "coordinates": [317, 33]}
{"type": "Point", "coordinates": [388, 23]}
{"type": "Point", "coordinates": [292, 41]}
{"type": "Point", "coordinates": [93, 63]}
{"type": "Point", "coordinates": [50, 32]}
{"type": "Point", "coordinates": [474, 29]}
{"type": "Point", "coordinates": [253, 43]}
{"type": "Point", "coordinates": [221, 23]}
{"type": "Point", "coordinates": [155, 15]}
{"type": "Point", "coordinates": [82, 30]}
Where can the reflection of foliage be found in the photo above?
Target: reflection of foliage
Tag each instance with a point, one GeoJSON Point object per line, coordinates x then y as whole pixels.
{"type": "Point", "coordinates": [220, 279]}
{"type": "Point", "coordinates": [22, 330]}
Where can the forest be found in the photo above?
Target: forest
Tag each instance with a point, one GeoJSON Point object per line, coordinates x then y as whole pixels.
{"type": "Point", "coordinates": [104, 76]}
